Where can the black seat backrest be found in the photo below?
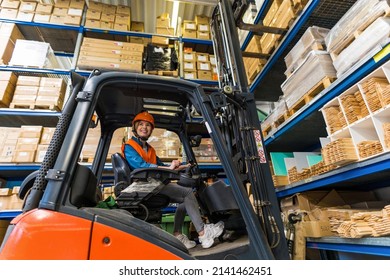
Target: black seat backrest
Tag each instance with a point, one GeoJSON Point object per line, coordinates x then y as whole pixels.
{"type": "Point", "coordinates": [84, 190]}
{"type": "Point", "coordinates": [121, 168]}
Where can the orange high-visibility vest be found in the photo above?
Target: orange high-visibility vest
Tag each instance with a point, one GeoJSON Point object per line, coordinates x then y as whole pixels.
{"type": "Point", "coordinates": [149, 156]}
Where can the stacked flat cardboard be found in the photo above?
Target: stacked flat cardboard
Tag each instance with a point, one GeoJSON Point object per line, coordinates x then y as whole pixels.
{"type": "Point", "coordinates": [112, 55]}
{"type": "Point", "coordinates": [312, 39]}
{"type": "Point", "coordinates": [316, 66]}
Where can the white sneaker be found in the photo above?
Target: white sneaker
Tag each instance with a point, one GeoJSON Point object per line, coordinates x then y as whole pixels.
{"type": "Point", "coordinates": [211, 231]}
{"type": "Point", "coordinates": [184, 239]}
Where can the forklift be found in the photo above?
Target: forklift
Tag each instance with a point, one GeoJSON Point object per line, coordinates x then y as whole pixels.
{"type": "Point", "coordinates": [60, 218]}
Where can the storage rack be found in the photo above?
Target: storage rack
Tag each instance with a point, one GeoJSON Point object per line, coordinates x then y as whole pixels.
{"type": "Point", "coordinates": [377, 167]}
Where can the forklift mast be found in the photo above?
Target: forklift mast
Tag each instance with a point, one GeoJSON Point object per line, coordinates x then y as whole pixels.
{"type": "Point", "coordinates": [240, 125]}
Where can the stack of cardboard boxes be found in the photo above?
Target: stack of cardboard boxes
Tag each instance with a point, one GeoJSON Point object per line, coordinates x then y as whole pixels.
{"type": "Point", "coordinates": [36, 92]}
{"type": "Point", "coordinates": [111, 55]}
{"type": "Point", "coordinates": [198, 28]}
{"type": "Point", "coordinates": [105, 16]}
{"type": "Point", "coordinates": [198, 65]}
{"type": "Point", "coordinates": [62, 12]}
{"type": "Point", "coordinates": [163, 27]}
{"type": "Point", "coordinates": [7, 87]}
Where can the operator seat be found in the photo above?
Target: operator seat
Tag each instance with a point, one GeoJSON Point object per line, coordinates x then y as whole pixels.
{"type": "Point", "coordinates": [144, 205]}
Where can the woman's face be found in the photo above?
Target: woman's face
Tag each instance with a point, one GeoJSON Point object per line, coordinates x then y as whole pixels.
{"type": "Point", "coordinates": [144, 129]}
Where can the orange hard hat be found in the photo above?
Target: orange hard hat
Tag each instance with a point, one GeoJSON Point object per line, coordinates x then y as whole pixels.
{"type": "Point", "coordinates": [144, 116]}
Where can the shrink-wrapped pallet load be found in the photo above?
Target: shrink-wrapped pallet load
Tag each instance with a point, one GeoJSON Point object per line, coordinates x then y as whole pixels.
{"type": "Point", "coordinates": [316, 67]}
{"type": "Point", "coordinates": [367, 44]}
{"type": "Point", "coordinates": [356, 19]}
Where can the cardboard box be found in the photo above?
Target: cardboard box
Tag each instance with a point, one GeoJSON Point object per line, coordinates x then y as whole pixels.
{"type": "Point", "coordinates": [75, 12]}
{"type": "Point", "coordinates": [30, 131]}
{"type": "Point", "coordinates": [121, 27]}
{"type": "Point", "coordinates": [44, 9]}
{"type": "Point", "coordinates": [77, 4]}
{"type": "Point", "coordinates": [316, 228]}
{"type": "Point", "coordinates": [204, 66]}
{"type": "Point", "coordinates": [72, 20]}
{"type": "Point", "coordinates": [41, 152]}
{"type": "Point", "coordinates": [95, 15]}
{"type": "Point", "coordinates": [189, 66]}
{"type": "Point", "coordinates": [160, 40]}
{"type": "Point", "coordinates": [47, 135]}
{"type": "Point", "coordinates": [189, 25]}
{"type": "Point", "coordinates": [107, 17]}
{"type": "Point", "coordinates": [57, 19]}
{"type": "Point", "coordinates": [92, 23]}
{"type": "Point", "coordinates": [106, 25]}
{"type": "Point", "coordinates": [6, 93]}
{"type": "Point", "coordinates": [189, 34]}
{"type": "Point", "coordinates": [53, 82]}
{"type": "Point", "coordinates": [10, 4]}
{"type": "Point", "coordinates": [28, 81]}
{"type": "Point", "coordinates": [202, 57]}
{"type": "Point", "coordinates": [107, 8]}
{"type": "Point", "coordinates": [41, 17]}
{"type": "Point", "coordinates": [62, 3]}
{"type": "Point", "coordinates": [203, 35]}
{"type": "Point", "coordinates": [123, 10]}
{"type": "Point", "coordinates": [137, 26]}
{"type": "Point", "coordinates": [28, 7]}
{"type": "Point", "coordinates": [201, 19]}
{"type": "Point", "coordinates": [58, 11]}
{"type": "Point", "coordinates": [163, 22]}
{"type": "Point", "coordinates": [96, 6]}
{"type": "Point", "coordinates": [8, 76]}
{"type": "Point", "coordinates": [8, 13]}
{"type": "Point", "coordinates": [24, 156]}
{"type": "Point", "coordinates": [203, 28]}
{"type": "Point", "coordinates": [122, 19]}
{"type": "Point", "coordinates": [11, 31]}
{"type": "Point", "coordinates": [191, 57]}
{"type": "Point", "coordinates": [204, 75]}
{"type": "Point", "coordinates": [190, 75]}
{"type": "Point", "coordinates": [23, 16]}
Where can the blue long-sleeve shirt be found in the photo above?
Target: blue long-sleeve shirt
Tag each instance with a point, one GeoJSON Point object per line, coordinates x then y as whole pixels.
{"type": "Point", "coordinates": [135, 160]}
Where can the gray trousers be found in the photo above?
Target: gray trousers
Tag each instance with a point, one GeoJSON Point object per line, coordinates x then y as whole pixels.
{"type": "Point", "coordinates": [187, 204]}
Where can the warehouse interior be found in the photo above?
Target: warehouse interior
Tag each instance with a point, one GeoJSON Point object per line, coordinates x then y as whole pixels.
{"type": "Point", "coordinates": [320, 81]}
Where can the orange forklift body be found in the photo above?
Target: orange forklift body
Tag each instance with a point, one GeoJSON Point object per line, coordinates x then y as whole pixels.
{"type": "Point", "coordinates": [59, 236]}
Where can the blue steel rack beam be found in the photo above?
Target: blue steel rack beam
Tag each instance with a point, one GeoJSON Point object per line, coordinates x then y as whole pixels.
{"type": "Point", "coordinates": [369, 246]}
{"type": "Point", "coordinates": [334, 90]}
{"type": "Point", "coordinates": [375, 165]}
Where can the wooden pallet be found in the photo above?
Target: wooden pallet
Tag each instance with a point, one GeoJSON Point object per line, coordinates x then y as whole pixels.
{"type": "Point", "coordinates": [281, 119]}
{"type": "Point", "coordinates": [313, 92]}
{"type": "Point", "coordinates": [51, 107]}
{"type": "Point", "coordinates": [173, 73]}
{"type": "Point", "coordinates": [20, 105]}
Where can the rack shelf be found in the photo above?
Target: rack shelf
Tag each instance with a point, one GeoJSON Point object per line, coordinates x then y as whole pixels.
{"type": "Point", "coordinates": [378, 246]}
{"type": "Point", "coordinates": [311, 5]}
{"type": "Point", "coordinates": [308, 120]}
